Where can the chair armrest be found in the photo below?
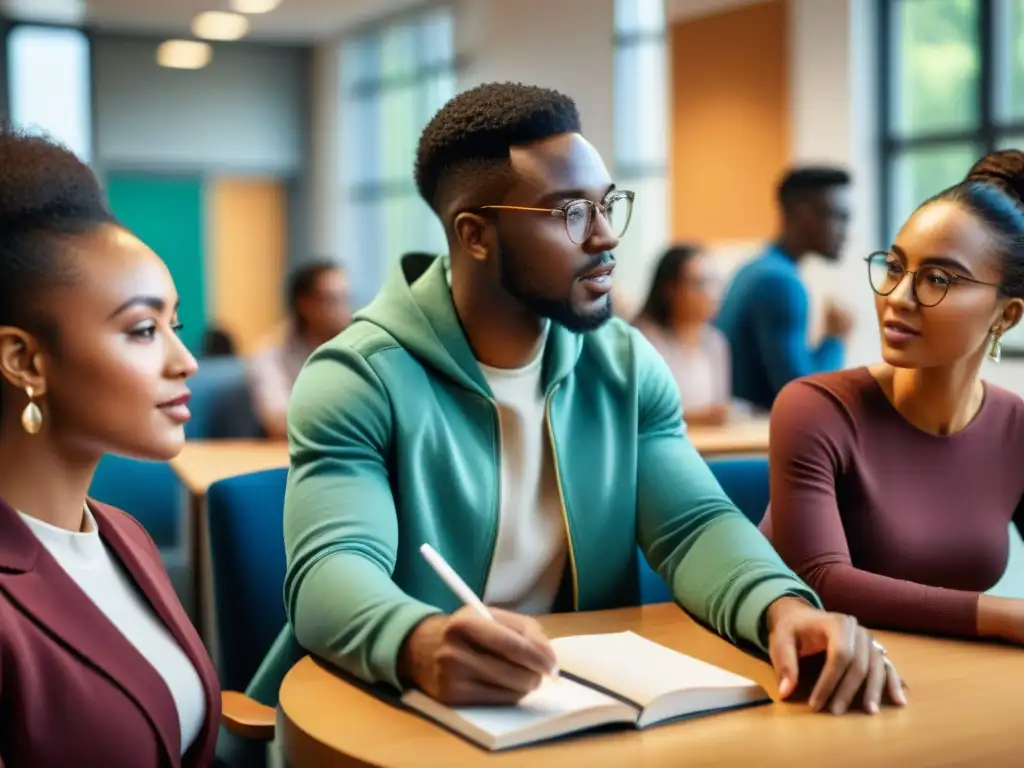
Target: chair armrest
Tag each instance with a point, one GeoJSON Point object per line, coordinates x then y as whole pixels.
{"type": "Point", "coordinates": [246, 717]}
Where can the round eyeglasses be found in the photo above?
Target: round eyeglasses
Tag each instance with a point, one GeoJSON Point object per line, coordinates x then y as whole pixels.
{"type": "Point", "coordinates": [931, 283]}
{"type": "Point", "coordinates": [580, 215]}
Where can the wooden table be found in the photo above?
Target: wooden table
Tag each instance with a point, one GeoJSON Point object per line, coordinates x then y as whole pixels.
{"type": "Point", "coordinates": [965, 704]}
{"type": "Point", "coordinates": [203, 462]}
{"type": "Point", "coordinates": [731, 439]}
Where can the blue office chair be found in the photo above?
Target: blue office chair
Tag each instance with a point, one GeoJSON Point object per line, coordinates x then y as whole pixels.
{"type": "Point", "coordinates": [244, 515]}
{"type": "Point", "coordinates": [247, 546]}
{"type": "Point", "coordinates": [744, 480]}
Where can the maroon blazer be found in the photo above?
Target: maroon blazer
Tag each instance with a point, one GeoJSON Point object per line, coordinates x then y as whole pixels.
{"type": "Point", "coordinates": [73, 690]}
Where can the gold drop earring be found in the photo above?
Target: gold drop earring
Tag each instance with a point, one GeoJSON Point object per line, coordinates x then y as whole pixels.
{"type": "Point", "coordinates": [995, 352]}
{"type": "Point", "coordinates": [32, 416]}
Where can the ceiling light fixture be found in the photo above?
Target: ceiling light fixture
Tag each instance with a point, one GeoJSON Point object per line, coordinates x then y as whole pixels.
{"type": "Point", "coordinates": [218, 25]}
{"type": "Point", "coordinates": [254, 7]}
{"type": "Point", "coordinates": [183, 54]}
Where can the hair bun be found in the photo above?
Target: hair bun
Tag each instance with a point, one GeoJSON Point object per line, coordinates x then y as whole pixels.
{"type": "Point", "coordinates": [1004, 169]}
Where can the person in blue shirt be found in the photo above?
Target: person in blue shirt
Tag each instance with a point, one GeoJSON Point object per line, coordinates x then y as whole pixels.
{"type": "Point", "coordinates": [765, 311]}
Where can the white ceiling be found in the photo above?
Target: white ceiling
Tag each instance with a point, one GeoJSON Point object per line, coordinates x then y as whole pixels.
{"type": "Point", "coordinates": [293, 20]}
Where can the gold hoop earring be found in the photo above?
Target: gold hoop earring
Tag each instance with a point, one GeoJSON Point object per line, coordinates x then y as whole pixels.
{"type": "Point", "coordinates": [32, 416]}
{"type": "Point", "coordinates": [995, 351]}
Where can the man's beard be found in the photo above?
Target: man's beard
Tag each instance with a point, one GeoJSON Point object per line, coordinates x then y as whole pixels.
{"type": "Point", "coordinates": [514, 279]}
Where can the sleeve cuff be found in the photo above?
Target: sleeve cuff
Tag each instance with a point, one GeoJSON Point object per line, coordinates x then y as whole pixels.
{"type": "Point", "coordinates": [750, 621]}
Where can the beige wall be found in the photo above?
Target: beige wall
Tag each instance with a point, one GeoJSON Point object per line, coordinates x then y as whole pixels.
{"type": "Point", "coordinates": [730, 121]}
{"type": "Point", "coordinates": [247, 257]}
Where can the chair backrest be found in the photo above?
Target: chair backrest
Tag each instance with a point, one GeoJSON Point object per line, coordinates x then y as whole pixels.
{"type": "Point", "coordinates": [744, 480]}
{"type": "Point", "coordinates": [221, 402]}
{"type": "Point", "coordinates": [244, 515]}
{"type": "Point", "coordinates": [146, 490]}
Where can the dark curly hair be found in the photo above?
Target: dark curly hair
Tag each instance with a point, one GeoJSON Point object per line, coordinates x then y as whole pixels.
{"type": "Point", "coordinates": [479, 127]}
{"type": "Point", "coordinates": [799, 183]}
{"type": "Point", "coordinates": [993, 191]}
{"type": "Point", "coordinates": [46, 194]}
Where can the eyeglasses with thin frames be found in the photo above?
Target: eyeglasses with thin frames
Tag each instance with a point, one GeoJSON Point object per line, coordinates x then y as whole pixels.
{"type": "Point", "coordinates": [931, 283]}
{"type": "Point", "coordinates": [579, 215]}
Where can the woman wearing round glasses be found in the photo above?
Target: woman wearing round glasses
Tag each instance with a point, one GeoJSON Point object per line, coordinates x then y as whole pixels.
{"type": "Point", "coordinates": [893, 487]}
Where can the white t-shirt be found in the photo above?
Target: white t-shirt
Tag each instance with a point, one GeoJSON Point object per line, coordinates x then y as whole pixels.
{"type": "Point", "coordinates": [530, 552]}
{"type": "Point", "coordinates": [99, 574]}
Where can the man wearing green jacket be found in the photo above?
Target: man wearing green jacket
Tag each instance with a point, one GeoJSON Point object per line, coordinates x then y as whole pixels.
{"type": "Point", "coordinates": [488, 403]}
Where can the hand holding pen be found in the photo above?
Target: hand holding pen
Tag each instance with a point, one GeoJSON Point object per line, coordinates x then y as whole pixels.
{"type": "Point", "coordinates": [477, 655]}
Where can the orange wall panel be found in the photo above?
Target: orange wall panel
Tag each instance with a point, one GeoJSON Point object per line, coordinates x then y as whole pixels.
{"type": "Point", "coordinates": [247, 233]}
{"type": "Point", "coordinates": [730, 122]}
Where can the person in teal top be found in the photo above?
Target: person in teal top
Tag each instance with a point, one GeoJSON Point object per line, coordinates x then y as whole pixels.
{"type": "Point", "coordinates": [489, 404]}
{"type": "Point", "coordinates": [765, 312]}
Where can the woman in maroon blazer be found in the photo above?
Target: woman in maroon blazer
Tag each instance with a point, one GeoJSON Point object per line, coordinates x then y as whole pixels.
{"type": "Point", "coordinates": [99, 666]}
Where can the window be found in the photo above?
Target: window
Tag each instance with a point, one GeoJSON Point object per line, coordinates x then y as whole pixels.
{"type": "Point", "coordinates": [952, 90]}
{"type": "Point", "coordinates": [394, 79]}
{"type": "Point", "coordinates": [641, 130]}
{"type": "Point", "coordinates": [49, 85]}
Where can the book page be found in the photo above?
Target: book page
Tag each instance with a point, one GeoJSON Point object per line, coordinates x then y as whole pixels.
{"type": "Point", "coordinates": [558, 704]}
{"type": "Point", "coordinates": [639, 669]}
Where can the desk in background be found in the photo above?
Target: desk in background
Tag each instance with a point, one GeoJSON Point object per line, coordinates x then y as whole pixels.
{"type": "Point", "coordinates": [964, 711]}
{"type": "Point", "coordinates": [739, 437]}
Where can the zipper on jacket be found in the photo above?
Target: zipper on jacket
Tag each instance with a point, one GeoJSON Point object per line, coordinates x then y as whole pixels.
{"type": "Point", "coordinates": [561, 498]}
{"type": "Point", "coordinates": [497, 512]}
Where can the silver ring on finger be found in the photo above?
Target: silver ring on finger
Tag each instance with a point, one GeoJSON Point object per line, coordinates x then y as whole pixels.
{"type": "Point", "coordinates": [880, 648]}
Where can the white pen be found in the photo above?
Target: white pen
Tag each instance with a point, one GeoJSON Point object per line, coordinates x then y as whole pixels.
{"type": "Point", "coordinates": [458, 586]}
{"type": "Point", "coordinates": [454, 581]}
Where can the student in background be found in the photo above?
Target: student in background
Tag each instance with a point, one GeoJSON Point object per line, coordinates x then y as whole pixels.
{"type": "Point", "coordinates": [507, 419]}
{"type": "Point", "coordinates": [765, 310]}
{"type": "Point", "coordinates": [893, 487]}
{"type": "Point", "coordinates": [99, 665]}
{"type": "Point", "coordinates": [676, 320]}
{"type": "Point", "coordinates": [319, 309]}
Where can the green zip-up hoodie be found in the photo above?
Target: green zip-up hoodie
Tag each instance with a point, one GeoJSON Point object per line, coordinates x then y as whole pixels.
{"type": "Point", "coordinates": [394, 442]}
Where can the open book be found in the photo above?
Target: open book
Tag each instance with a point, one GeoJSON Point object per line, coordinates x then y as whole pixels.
{"type": "Point", "coordinates": [612, 679]}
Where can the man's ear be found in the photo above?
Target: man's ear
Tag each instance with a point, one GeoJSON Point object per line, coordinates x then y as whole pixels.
{"type": "Point", "coordinates": [472, 232]}
{"type": "Point", "coordinates": [22, 362]}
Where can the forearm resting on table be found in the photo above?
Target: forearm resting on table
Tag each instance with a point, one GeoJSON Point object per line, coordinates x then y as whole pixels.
{"type": "Point", "coordinates": [998, 617]}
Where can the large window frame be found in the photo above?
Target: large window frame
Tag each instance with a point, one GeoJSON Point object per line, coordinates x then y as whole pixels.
{"type": "Point", "coordinates": [641, 136]}
{"type": "Point", "coordinates": [987, 133]}
{"type": "Point", "coordinates": [377, 185]}
{"type": "Point", "coordinates": [87, 131]}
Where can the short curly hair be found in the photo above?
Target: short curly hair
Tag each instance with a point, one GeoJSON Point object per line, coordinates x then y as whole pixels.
{"type": "Point", "coordinates": [480, 126]}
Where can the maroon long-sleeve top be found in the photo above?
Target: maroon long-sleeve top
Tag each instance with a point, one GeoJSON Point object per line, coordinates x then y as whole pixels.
{"type": "Point", "coordinates": [898, 527]}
